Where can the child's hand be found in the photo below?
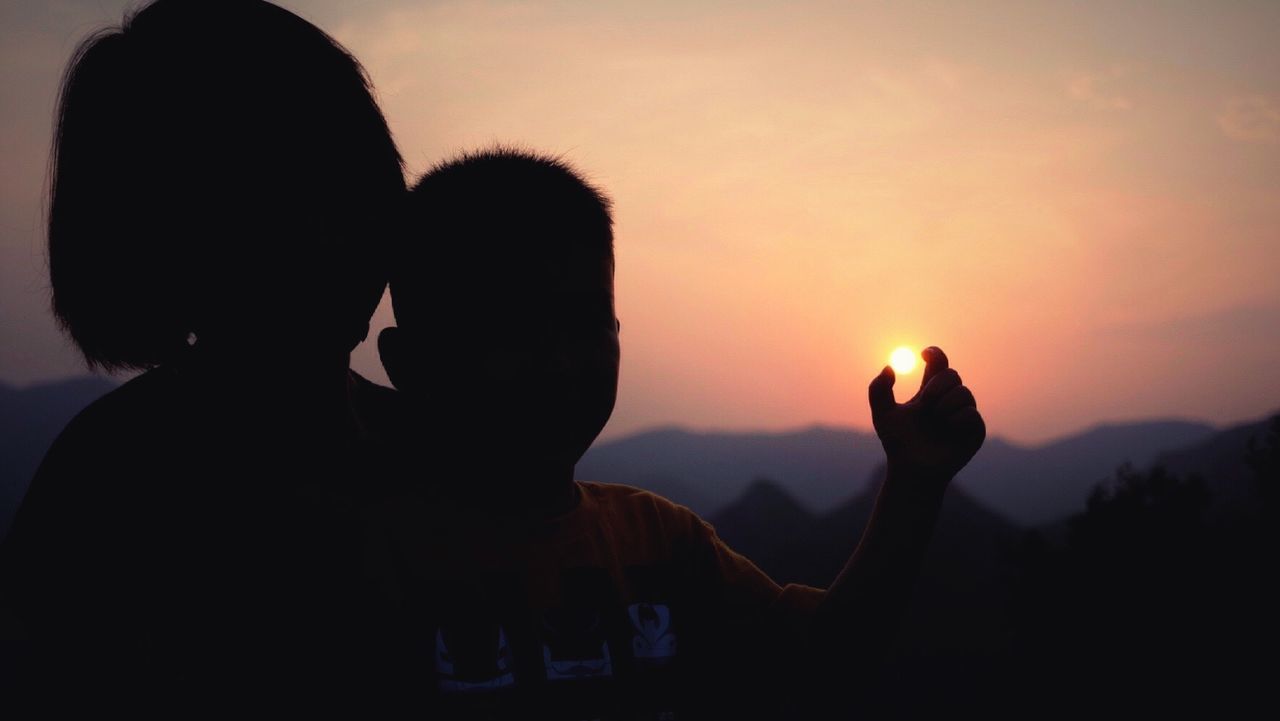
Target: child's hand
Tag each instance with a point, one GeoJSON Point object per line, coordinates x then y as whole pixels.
{"type": "Point", "coordinates": [932, 436]}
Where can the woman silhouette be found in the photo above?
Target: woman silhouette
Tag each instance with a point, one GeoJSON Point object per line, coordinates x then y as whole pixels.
{"type": "Point", "coordinates": [223, 186]}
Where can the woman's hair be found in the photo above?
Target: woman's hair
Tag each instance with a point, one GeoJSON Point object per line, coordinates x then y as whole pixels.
{"type": "Point", "coordinates": [220, 168]}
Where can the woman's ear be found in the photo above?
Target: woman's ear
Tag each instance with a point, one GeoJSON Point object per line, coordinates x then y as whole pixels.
{"type": "Point", "coordinates": [393, 349]}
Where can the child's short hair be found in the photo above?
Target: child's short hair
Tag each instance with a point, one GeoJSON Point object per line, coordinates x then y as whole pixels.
{"type": "Point", "coordinates": [494, 211]}
{"type": "Point", "coordinates": [217, 165]}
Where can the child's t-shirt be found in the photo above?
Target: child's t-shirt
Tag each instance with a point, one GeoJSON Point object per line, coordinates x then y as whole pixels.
{"type": "Point", "coordinates": [627, 606]}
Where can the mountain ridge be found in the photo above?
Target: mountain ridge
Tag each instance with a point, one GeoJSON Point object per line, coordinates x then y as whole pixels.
{"type": "Point", "coordinates": [820, 465]}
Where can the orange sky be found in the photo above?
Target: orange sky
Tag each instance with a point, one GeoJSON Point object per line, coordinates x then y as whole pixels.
{"type": "Point", "coordinates": [1079, 202]}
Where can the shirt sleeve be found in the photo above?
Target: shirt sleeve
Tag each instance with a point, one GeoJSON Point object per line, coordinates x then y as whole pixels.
{"type": "Point", "coordinates": [753, 626]}
{"type": "Point", "coordinates": [748, 589]}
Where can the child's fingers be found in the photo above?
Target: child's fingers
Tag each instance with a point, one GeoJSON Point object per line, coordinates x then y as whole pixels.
{"type": "Point", "coordinates": [955, 399]}
{"type": "Point", "coordinates": [935, 361]}
{"type": "Point", "coordinates": [880, 392]}
{"type": "Point", "coordinates": [967, 423]}
{"type": "Point", "coordinates": [938, 386]}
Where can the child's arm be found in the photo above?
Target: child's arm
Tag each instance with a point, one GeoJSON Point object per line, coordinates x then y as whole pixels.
{"type": "Point", "coordinates": [927, 440]}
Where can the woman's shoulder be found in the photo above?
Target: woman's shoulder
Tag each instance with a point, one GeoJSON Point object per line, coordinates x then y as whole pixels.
{"type": "Point", "coordinates": [108, 428]}
{"type": "Point", "coordinates": [119, 411]}
{"type": "Point", "coordinates": [83, 497]}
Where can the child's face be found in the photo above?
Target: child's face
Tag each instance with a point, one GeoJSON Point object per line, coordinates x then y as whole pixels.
{"type": "Point", "coordinates": [526, 364]}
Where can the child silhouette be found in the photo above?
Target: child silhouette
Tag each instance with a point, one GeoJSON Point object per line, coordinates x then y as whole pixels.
{"type": "Point", "coordinates": [607, 599]}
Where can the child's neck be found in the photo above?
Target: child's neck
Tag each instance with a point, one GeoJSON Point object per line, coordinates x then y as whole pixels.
{"type": "Point", "coordinates": [522, 490]}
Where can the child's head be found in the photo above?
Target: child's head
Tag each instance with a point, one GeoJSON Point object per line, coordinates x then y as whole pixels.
{"type": "Point", "coordinates": [219, 168]}
{"type": "Point", "coordinates": [503, 296]}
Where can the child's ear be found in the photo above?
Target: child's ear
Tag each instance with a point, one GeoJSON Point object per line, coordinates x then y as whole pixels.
{"type": "Point", "coordinates": [393, 349]}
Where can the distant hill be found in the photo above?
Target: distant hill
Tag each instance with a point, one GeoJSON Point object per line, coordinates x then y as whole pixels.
{"type": "Point", "coordinates": [957, 627]}
{"type": "Point", "coordinates": [30, 418]}
{"type": "Point", "coordinates": [821, 467]}
{"type": "Point", "coordinates": [769, 526]}
{"type": "Point", "coordinates": [1220, 461]}
{"type": "Point", "coordinates": [972, 632]}
{"type": "Point", "coordinates": [1040, 484]}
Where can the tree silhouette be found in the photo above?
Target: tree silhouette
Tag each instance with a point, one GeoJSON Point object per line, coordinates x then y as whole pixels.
{"type": "Point", "coordinates": [1105, 615]}
{"type": "Point", "coordinates": [1148, 604]}
{"type": "Point", "coordinates": [1263, 458]}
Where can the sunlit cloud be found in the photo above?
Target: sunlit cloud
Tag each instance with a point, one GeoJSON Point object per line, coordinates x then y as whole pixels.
{"type": "Point", "coordinates": [1099, 89]}
{"type": "Point", "coordinates": [1251, 118]}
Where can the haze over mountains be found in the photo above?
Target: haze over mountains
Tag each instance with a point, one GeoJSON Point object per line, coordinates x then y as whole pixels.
{"type": "Point", "coordinates": [821, 467]}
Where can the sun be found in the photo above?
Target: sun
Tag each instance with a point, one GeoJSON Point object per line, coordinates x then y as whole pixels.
{"type": "Point", "coordinates": [903, 360]}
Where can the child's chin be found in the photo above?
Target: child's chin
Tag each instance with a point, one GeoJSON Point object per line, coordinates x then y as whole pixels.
{"type": "Point", "coordinates": [548, 446]}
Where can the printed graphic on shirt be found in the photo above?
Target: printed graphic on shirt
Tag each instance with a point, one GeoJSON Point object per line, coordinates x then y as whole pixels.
{"type": "Point", "coordinates": [654, 640]}
{"type": "Point", "coordinates": [575, 646]}
{"type": "Point", "coordinates": [576, 637]}
{"type": "Point", "coordinates": [473, 657]}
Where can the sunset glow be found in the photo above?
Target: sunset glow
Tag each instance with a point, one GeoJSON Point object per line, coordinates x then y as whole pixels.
{"type": "Point", "coordinates": [903, 360]}
{"type": "Point", "coordinates": [794, 183]}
